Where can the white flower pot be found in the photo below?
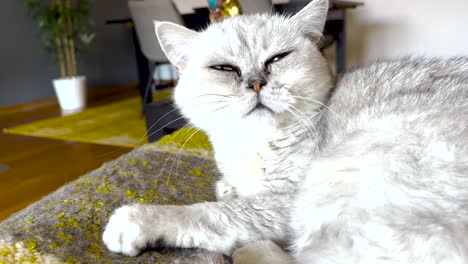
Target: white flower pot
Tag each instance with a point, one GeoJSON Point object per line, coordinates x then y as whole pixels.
{"type": "Point", "coordinates": [71, 94]}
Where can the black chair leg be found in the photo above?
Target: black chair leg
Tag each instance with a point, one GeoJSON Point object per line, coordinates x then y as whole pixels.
{"type": "Point", "coordinates": [147, 96]}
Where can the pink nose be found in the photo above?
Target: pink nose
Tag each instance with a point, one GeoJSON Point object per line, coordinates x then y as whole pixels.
{"type": "Point", "coordinates": [256, 86]}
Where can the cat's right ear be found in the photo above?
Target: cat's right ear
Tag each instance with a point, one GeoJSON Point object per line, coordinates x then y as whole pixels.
{"type": "Point", "coordinates": [311, 19]}
{"type": "Point", "coordinates": [175, 41]}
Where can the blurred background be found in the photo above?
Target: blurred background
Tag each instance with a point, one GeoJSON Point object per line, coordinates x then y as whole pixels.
{"type": "Point", "coordinates": [376, 29]}
{"type": "Point", "coordinates": [381, 29]}
{"type": "Point", "coordinates": [26, 71]}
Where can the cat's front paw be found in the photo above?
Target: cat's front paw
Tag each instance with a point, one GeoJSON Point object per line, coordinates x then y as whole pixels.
{"type": "Point", "coordinates": [123, 233]}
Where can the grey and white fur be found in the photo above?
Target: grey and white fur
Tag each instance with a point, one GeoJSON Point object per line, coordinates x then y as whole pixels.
{"type": "Point", "coordinates": [370, 169]}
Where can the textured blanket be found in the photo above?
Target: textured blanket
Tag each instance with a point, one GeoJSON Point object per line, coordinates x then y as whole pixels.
{"type": "Point", "coordinates": [66, 226]}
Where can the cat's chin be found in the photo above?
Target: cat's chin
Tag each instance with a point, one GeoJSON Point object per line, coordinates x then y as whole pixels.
{"type": "Point", "coordinates": [260, 116]}
{"type": "Point", "coordinates": [260, 110]}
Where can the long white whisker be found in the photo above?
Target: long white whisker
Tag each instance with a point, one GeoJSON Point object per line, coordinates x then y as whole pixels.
{"type": "Point", "coordinates": [220, 95]}
{"type": "Point", "coordinates": [175, 161]}
{"type": "Point", "coordinates": [217, 109]}
{"type": "Point", "coordinates": [174, 140]}
{"type": "Point", "coordinates": [164, 126]}
{"type": "Point", "coordinates": [156, 123]}
{"type": "Point", "coordinates": [304, 123]}
{"type": "Point", "coordinates": [191, 135]}
{"type": "Point", "coordinates": [319, 103]}
{"type": "Point", "coordinates": [220, 101]}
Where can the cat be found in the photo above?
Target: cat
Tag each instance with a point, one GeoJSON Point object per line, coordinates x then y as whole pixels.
{"type": "Point", "coordinates": [371, 168]}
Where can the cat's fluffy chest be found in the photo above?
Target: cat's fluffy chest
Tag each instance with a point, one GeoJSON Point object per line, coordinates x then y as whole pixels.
{"type": "Point", "coordinates": [243, 162]}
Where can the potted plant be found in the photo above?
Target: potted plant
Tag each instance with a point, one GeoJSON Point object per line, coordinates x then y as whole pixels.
{"type": "Point", "coordinates": [65, 28]}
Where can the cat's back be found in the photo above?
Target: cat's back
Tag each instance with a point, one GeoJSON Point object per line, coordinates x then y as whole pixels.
{"type": "Point", "coordinates": [417, 93]}
{"type": "Point", "coordinates": [408, 84]}
{"type": "Point", "coordinates": [410, 112]}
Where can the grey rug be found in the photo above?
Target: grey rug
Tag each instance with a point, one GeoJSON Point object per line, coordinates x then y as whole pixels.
{"type": "Point", "coordinates": [66, 226]}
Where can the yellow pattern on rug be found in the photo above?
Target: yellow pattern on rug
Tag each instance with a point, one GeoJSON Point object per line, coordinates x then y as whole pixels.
{"type": "Point", "coordinates": [118, 124]}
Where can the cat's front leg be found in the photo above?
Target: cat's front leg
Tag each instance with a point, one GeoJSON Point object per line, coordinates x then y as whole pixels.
{"type": "Point", "coordinates": [134, 227]}
{"type": "Point", "coordinates": [219, 227]}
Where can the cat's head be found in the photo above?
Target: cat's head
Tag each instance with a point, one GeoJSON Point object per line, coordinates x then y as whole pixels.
{"type": "Point", "coordinates": [249, 70]}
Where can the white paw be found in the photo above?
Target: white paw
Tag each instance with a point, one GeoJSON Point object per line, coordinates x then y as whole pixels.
{"type": "Point", "coordinates": [123, 234]}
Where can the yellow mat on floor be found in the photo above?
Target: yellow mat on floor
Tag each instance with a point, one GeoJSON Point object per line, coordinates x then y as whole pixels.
{"type": "Point", "coordinates": [119, 124]}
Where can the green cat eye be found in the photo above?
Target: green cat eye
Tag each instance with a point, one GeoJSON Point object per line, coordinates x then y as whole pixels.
{"type": "Point", "coordinates": [226, 68]}
{"type": "Point", "coordinates": [222, 67]}
{"type": "Point", "coordinates": [277, 57]}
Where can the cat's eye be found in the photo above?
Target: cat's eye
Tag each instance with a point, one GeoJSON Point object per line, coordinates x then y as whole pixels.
{"type": "Point", "coordinates": [277, 57]}
{"type": "Point", "coordinates": [226, 68]}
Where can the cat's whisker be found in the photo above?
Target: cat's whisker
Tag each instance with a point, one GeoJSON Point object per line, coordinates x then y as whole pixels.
{"type": "Point", "coordinates": [146, 133]}
{"type": "Point", "coordinates": [217, 102]}
{"type": "Point", "coordinates": [311, 100]}
{"type": "Point", "coordinates": [178, 153]}
{"type": "Point", "coordinates": [221, 100]}
{"type": "Point", "coordinates": [218, 109]}
{"type": "Point", "coordinates": [220, 95]}
{"type": "Point", "coordinates": [164, 126]}
{"type": "Point", "coordinates": [185, 142]}
{"type": "Point", "coordinates": [302, 122]}
{"type": "Point", "coordinates": [308, 123]}
{"type": "Point", "coordinates": [189, 136]}
{"type": "Point", "coordinates": [306, 100]}
{"type": "Point", "coordinates": [171, 153]}
{"type": "Point", "coordinates": [132, 145]}
{"type": "Point", "coordinates": [319, 103]}
{"type": "Point", "coordinates": [175, 160]}
{"type": "Point", "coordinates": [300, 112]}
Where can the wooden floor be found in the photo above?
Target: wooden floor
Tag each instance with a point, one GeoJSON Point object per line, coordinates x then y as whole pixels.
{"type": "Point", "coordinates": [39, 166]}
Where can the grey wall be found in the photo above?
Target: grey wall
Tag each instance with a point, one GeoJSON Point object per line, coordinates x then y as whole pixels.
{"type": "Point", "coordinates": [26, 72]}
{"type": "Point", "coordinates": [392, 29]}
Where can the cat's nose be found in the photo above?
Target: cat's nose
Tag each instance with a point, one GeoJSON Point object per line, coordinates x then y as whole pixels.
{"type": "Point", "coordinates": [256, 84]}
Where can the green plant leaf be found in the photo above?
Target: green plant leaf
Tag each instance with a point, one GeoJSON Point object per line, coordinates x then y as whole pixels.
{"type": "Point", "coordinates": [52, 21]}
{"type": "Point", "coordinates": [42, 22]}
{"type": "Point", "coordinates": [86, 39]}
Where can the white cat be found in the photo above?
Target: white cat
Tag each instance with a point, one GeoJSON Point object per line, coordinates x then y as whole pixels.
{"type": "Point", "coordinates": [372, 169]}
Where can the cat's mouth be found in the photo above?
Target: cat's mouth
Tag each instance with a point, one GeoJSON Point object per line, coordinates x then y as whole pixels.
{"type": "Point", "coordinates": [259, 107]}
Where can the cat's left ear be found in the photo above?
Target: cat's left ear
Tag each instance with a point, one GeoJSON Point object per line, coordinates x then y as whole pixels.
{"type": "Point", "coordinates": [311, 19]}
{"type": "Point", "coordinates": [176, 42]}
